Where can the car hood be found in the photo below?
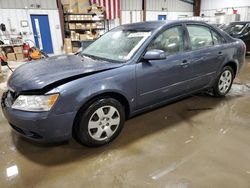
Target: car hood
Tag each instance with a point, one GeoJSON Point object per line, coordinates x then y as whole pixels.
{"type": "Point", "coordinates": [37, 75]}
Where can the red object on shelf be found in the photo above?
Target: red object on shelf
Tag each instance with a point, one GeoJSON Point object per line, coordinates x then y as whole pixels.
{"type": "Point", "coordinates": [26, 48]}
{"type": "Point", "coordinates": [235, 11]}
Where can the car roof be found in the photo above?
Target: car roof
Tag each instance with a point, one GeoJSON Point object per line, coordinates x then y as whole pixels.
{"type": "Point", "coordinates": [152, 25]}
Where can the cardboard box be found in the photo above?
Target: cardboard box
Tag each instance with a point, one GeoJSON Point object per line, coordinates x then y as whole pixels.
{"type": "Point", "coordinates": [11, 56]}
{"type": "Point", "coordinates": [71, 17]}
{"type": "Point", "coordinates": [66, 8]}
{"type": "Point", "coordinates": [88, 25]}
{"type": "Point", "coordinates": [19, 56]}
{"type": "Point", "coordinates": [74, 36]}
{"type": "Point", "coordinates": [78, 26]}
{"type": "Point", "coordinates": [75, 49]}
{"type": "Point", "coordinates": [87, 17]}
{"type": "Point", "coordinates": [99, 25]}
{"type": "Point", "coordinates": [83, 5]}
{"type": "Point", "coordinates": [67, 45]}
{"type": "Point", "coordinates": [83, 26]}
{"type": "Point", "coordinates": [93, 25]}
{"type": "Point", "coordinates": [18, 49]}
{"type": "Point", "coordinates": [73, 6]}
{"type": "Point", "coordinates": [83, 37]}
{"type": "Point", "coordinates": [8, 49]}
{"type": "Point", "coordinates": [72, 26]}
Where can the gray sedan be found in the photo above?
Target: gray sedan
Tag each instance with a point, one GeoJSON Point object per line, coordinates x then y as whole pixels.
{"type": "Point", "coordinates": [131, 69]}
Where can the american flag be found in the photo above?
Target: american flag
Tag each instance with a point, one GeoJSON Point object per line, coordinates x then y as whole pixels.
{"type": "Point", "coordinates": [112, 7]}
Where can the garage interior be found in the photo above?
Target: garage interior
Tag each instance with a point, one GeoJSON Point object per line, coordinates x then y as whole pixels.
{"type": "Point", "coordinates": [199, 141]}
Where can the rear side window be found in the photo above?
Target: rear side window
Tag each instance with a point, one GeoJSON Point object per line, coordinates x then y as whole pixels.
{"type": "Point", "coordinates": [217, 38]}
{"type": "Point", "coordinates": [200, 36]}
{"type": "Point", "coordinates": [170, 41]}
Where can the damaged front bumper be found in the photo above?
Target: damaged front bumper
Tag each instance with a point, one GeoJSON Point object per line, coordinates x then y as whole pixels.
{"type": "Point", "coordinates": [38, 126]}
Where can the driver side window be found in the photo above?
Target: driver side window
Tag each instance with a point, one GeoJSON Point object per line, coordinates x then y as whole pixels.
{"type": "Point", "coordinates": [170, 41]}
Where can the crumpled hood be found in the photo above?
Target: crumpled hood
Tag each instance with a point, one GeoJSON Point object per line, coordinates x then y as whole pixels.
{"type": "Point", "coordinates": [39, 74]}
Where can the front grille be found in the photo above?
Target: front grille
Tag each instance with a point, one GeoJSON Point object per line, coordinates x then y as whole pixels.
{"type": "Point", "coordinates": [13, 95]}
{"type": "Point", "coordinates": [9, 98]}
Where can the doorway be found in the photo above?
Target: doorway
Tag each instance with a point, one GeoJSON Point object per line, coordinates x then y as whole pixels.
{"type": "Point", "coordinates": [42, 34]}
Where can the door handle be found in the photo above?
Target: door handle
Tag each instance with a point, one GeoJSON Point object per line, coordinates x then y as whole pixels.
{"type": "Point", "coordinates": [184, 63]}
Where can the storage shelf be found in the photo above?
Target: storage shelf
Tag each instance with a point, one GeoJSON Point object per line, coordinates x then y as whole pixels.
{"type": "Point", "coordinates": [83, 21]}
{"type": "Point", "coordinates": [82, 30]}
{"type": "Point", "coordinates": [65, 14]}
{"type": "Point", "coordinates": [83, 40]}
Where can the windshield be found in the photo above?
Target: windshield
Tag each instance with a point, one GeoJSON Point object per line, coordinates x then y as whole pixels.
{"type": "Point", "coordinates": [117, 45]}
{"type": "Point", "coordinates": [234, 28]}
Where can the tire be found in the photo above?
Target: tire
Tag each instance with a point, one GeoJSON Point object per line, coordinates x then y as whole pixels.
{"type": "Point", "coordinates": [224, 82]}
{"type": "Point", "coordinates": [100, 123]}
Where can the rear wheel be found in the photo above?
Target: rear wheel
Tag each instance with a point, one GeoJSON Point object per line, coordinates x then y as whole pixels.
{"type": "Point", "coordinates": [224, 82]}
{"type": "Point", "coordinates": [100, 123]}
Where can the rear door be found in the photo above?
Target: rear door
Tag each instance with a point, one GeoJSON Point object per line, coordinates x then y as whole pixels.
{"type": "Point", "coordinates": [205, 55]}
{"type": "Point", "coordinates": [158, 80]}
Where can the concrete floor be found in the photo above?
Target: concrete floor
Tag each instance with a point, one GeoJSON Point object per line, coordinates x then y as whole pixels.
{"type": "Point", "coordinates": [197, 142]}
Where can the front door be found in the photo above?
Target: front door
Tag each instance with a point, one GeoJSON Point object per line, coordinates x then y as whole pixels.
{"type": "Point", "coordinates": [42, 34]}
{"type": "Point", "coordinates": [159, 80]}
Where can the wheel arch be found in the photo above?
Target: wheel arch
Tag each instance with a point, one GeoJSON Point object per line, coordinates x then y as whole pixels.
{"type": "Point", "coordinates": [121, 98]}
{"type": "Point", "coordinates": [233, 65]}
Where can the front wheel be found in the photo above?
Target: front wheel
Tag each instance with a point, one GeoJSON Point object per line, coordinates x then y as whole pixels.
{"type": "Point", "coordinates": [100, 123]}
{"type": "Point", "coordinates": [224, 82]}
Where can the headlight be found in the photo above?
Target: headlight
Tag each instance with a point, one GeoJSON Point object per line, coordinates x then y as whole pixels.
{"type": "Point", "coordinates": [35, 102]}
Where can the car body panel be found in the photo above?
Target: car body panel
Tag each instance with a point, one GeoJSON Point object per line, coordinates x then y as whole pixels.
{"type": "Point", "coordinates": [143, 84]}
{"type": "Point", "coordinates": [244, 34]}
{"type": "Point", "coordinates": [51, 70]}
{"type": "Point", "coordinates": [42, 127]}
{"type": "Point", "coordinates": [164, 78]}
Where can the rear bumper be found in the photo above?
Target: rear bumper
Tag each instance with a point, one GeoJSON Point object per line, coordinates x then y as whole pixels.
{"type": "Point", "coordinates": [40, 126]}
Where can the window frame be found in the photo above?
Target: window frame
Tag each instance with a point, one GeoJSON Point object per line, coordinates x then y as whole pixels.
{"type": "Point", "coordinates": [188, 36]}
{"type": "Point", "coordinates": [184, 38]}
{"type": "Point", "coordinates": [222, 40]}
{"type": "Point", "coordinates": [248, 27]}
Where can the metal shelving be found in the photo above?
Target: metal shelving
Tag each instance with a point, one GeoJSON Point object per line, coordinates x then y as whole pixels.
{"type": "Point", "coordinates": [80, 19]}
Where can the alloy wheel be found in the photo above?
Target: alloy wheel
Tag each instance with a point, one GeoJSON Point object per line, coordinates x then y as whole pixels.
{"type": "Point", "coordinates": [103, 123]}
{"type": "Point", "coordinates": [225, 81]}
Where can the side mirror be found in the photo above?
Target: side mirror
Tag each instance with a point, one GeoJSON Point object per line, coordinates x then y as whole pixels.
{"type": "Point", "coordinates": [155, 55]}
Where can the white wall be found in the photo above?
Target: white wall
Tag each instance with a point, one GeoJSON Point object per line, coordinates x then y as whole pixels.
{"type": "Point", "coordinates": [14, 16]}
{"type": "Point", "coordinates": [218, 4]}
{"type": "Point", "coordinates": [137, 16]}
{"type": "Point", "coordinates": [169, 5]}
{"type": "Point", "coordinates": [131, 10]}
{"type": "Point", "coordinates": [16, 4]}
{"type": "Point", "coordinates": [243, 11]}
{"type": "Point", "coordinates": [153, 15]}
{"type": "Point", "coordinates": [131, 16]}
{"type": "Point", "coordinates": [210, 7]}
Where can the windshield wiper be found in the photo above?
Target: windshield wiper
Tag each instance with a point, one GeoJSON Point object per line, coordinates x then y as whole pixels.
{"type": "Point", "coordinates": [90, 56]}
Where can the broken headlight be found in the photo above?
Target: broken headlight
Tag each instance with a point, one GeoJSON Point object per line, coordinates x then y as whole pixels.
{"type": "Point", "coordinates": [35, 103]}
